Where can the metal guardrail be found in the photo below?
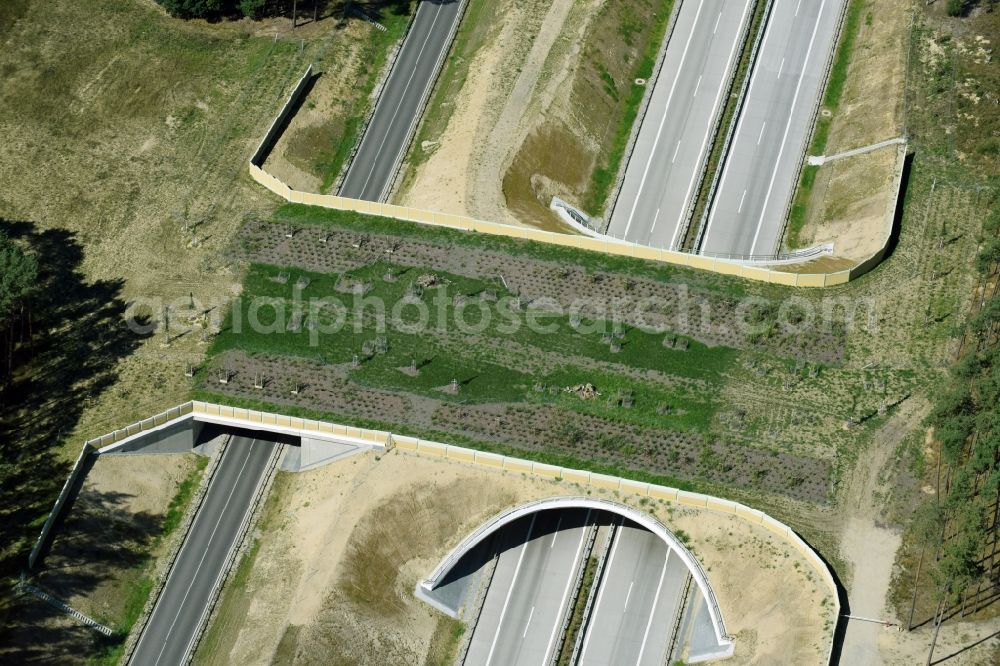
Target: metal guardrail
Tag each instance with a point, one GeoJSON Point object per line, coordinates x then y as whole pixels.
{"type": "Point", "coordinates": [495, 461]}
{"type": "Point", "coordinates": [189, 515]}
{"type": "Point", "coordinates": [390, 64]}
{"type": "Point", "coordinates": [830, 57]}
{"type": "Point", "coordinates": [592, 593]}
{"type": "Point", "coordinates": [716, 126]}
{"type": "Point", "coordinates": [577, 584]}
{"type": "Point", "coordinates": [65, 608]}
{"type": "Point", "coordinates": [675, 642]}
{"type": "Point", "coordinates": [425, 98]}
{"type": "Point", "coordinates": [793, 256]}
{"type": "Point", "coordinates": [256, 504]}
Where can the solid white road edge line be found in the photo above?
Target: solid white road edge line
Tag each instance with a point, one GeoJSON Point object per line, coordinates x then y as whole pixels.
{"type": "Point", "coordinates": [510, 590]}
{"type": "Point", "coordinates": [215, 528]}
{"type": "Point", "coordinates": [652, 613]}
{"type": "Point", "coordinates": [600, 593]}
{"type": "Point", "coordinates": [392, 121]}
{"type": "Point", "coordinates": [739, 127]}
{"type": "Point", "coordinates": [788, 125]}
{"type": "Point", "coordinates": [666, 108]}
{"type": "Point", "coordinates": [569, 581]}
{"type": "Point", "coordinates": [704, 142]}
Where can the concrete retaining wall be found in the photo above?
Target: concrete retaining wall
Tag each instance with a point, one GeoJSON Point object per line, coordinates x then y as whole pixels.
{"type": "Point", "coordinates": [68, 490]}
{"type": "Point", "coordinates": [604, 244]}
{"type": "Point", "coordinates": [274, 131]}
{"type": "Point", "coordinates": [635, 515]}
{"type": "Point", "coordinates": [601, 243]}
{"type": "Point", "coordinates": [178, 436]}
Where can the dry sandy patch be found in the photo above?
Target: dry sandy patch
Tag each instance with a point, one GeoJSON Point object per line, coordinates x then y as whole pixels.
{"type": "Point", "coordinates": [850, 197]}
{"type": "Point", "coordinates": [329, 582]}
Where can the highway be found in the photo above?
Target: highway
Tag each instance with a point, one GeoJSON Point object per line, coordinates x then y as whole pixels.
{"type": "Point", "coordinates": [173, 626]}
{"type": "Point", "coordinates": [676, 133]}
{"type": "Point", "coordinates": [522, 614]}
{"type": "Point", "coordinates": [636, 608]}
{"type": "Point", "coordinates": [758, 179]}
{"type": "Point", "coordinates": [412, 76]}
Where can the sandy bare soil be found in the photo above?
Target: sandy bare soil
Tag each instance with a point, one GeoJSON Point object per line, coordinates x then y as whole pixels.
{"type": "Point", "coordinates": [855, 196]}
{"type": "Point", "coordinates": [463, 175]}
{"type": "Point", "coordinates": [334, 575]}
{"type": "Point", "coordinates": [850, 197]}
{"type": "Point", "coordinates": [869, 547]}
{"type": "Point", "coordinates": [513, 84]}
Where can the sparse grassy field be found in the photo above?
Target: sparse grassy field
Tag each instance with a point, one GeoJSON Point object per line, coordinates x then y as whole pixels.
{"type": "Point", "coordinates": [861, 105]}
{"type": "Point", "coordinates": [953, 129]}
{"type": "Point", "coordinates": [321, 136]}
{"type": "Point", "coordinates": [103, 559]}
{"type": "Point", "coordinates": [477, 23]}
{"type": "Point", "coordinates": [584, 153]}
{"type": "Point", "coordinates": [126, 135]}
{"type": "Point", "coordinates": [445, 642]}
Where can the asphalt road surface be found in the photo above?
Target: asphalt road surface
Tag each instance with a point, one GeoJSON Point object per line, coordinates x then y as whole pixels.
{"type": "Point", "coordinates": [637, 604]}
{"type": "Point", "coordinates": [758, 180]}
{"type": "Point", "coordinates": [523, 611]}
{"type": "Point", "coordinates": [411, 78]}
{"type": "Point", "coordinates": [676, 133]}
{"type": "Point", "coordinates": [176, 618]}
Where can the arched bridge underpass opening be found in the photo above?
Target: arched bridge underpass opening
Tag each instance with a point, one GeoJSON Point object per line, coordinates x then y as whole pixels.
{"type": "Point", "coordinates": [650, 597]}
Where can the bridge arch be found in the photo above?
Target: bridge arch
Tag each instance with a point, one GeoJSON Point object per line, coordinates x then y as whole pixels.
{"type": "Point", "coordinates": [641, 518]}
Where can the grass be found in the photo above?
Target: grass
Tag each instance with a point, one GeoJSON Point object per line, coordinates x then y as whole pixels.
{"type": "Point", "coordinates": [284, 654]}
{"type": "Point", "coordinates": [236, 598]}
{"type": "Point", "coordinates": [487, 377]}
{"type": "Point", "coordinates": [375, 56]}
{"type": "Point", "coordinates": [182, 499]}
{"type": "Point", "coordinates": [799, 212]}
{"type": "Point", "coordinates": [298, 214]}
{"type": "Point", "coordinates": [603, 178]}
{"type": "Point", "coordinates": [406, 526]}
{"type": "Point", "coordinates": [838, 74]}
{"type": "Point", "coordinates": [109, 652]}
{"type": "Point", "coordinates": [576, 618]}
{"type": "Point", "coordinates": [445, 642]}
{"type": "Point", "coordinates": [546, 457]}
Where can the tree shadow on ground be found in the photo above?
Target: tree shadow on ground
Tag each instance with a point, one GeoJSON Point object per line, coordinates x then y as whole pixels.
{"type": "Point", "coordinates": [311, 11]}
{"type": "Point", "coordinates": [98, 529]}
{"type": "Point", "coordinates": [78, 336]}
